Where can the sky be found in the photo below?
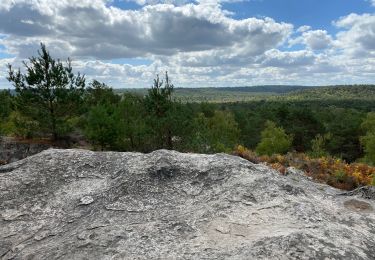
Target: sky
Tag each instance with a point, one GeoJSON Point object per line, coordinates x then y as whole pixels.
{"type": "Point", "coordinates": [203, 43]}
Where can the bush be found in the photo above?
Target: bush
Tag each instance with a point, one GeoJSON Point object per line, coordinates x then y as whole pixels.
{"type": "Point", "coordinates": [20, 126]}
{"type": "Point", "coordinates": [249, 155]}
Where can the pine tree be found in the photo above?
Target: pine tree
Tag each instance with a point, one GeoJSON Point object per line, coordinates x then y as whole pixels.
{"type": "Point", "coordinates": [160, 109]}
{"type": "Point", "coordinates": [103, 126]}
{"type": "Point", "coordinates": [48, 92]}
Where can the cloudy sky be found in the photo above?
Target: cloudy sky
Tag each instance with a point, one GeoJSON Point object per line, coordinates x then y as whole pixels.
{"type": "Point", "coordinates": [203, 43]}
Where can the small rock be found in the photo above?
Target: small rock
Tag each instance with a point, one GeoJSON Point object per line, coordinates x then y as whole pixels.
{"type": "Point", "coordinates": [86, 200]}
{"type": "Point", "coordinates": [224, 229]}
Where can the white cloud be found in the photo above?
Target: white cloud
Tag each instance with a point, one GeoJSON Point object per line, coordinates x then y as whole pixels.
{"type": "Point", "coordinates": [358, 36]}
{"type": "Point", "coordinates": [3, 71]}
{"type": "Point", "coordinates": [304, 28]}
{"type": "Point", "coordinates": [313, 39]}
{"type": "Point", "coordinates": [317, 40]}
{"type": "Point", "coordinates": [106, 32]}
{"type": "Point", "coordinates": [181, 2]}
{"type": "Point", "coordinates": [200, 44]}
{"type": "Point", "coordinates": [276, 58]}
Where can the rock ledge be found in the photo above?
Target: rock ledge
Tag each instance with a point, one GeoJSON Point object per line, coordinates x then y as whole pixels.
{"type": "Point", "coordinates": [75, 204]}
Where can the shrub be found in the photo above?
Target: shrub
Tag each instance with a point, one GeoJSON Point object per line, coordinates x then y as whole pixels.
{"type": "Point", "coordinates": [246, 154]}
{"type": "Point", "coordinates": [19, 125]}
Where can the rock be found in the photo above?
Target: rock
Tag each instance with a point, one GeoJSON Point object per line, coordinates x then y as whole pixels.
{"type": "Point", "coordinates": [363, 192]}
{"type": "Point", "coordinates": [86, 200]}
{"type": "Point", "coordinates": [76, 204]}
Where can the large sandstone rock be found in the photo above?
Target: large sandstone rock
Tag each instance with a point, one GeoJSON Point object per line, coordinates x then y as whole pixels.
{"type": "Point", "coordinates": [75, 204]}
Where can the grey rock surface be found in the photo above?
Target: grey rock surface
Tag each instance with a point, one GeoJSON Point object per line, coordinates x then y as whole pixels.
{"type": "Point", "coordinates": [75, 204]}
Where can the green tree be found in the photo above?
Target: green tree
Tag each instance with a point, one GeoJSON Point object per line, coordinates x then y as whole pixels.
{"type": "Point", "coordinates": [99, 93]}
{"type": "Point", "coordinates": [20, 126]}
{"type": "Point", "coordinates": [345, 128]}
{"type": "Point", "coordinates": [274, 140]}
{"type": "Point", "coordinates": [103, 126]}
{"type": "Point", "coordinates": [304, 127]}
{"type": "Point", "coordinates": [136, 134]}
{"type": "Point", "coordinates": [223, 131]}
{"type": "Point", "coordinates": [159, 105]}
{"type": "Point", "coordinates": [368, 140]}
{"type": "Point", "coordinates": [318, 146]}
{"type": "Point", "coordinates": [218, 133]}
{"type": "Point", "coordinates": [48, 92]}
{"type": "Point", "coordinates": [5, 109]}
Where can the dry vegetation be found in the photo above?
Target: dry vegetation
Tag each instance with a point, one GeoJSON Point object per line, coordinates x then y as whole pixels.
{"type": "Point", "coordinates": [329, 170]}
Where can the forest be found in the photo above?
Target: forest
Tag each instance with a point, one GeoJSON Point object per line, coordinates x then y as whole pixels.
{"type": "Point", "coordinates": [329, 132]}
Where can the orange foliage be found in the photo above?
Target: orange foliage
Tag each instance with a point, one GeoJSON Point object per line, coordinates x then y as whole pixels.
{"type": "Point", "coordinates": [332, 171]}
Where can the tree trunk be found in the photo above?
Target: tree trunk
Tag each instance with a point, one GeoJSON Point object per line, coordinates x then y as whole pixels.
{"type": "Point", "coordinates": [53, 119]}
{"type": "Point", "coordinates": [169, 140]}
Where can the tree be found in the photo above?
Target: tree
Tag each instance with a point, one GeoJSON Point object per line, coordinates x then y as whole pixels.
{"type": "Point", "coordinates": [48, 92]}
{"type": "Point", "coordinates": [318, 146]}
{"type": "Point", "coordinates": [20, 126]}
{"type": "Point", "coordinates": [368, 140]}
{"type": "Point", "coordinates": [218, 133]}
{"type": "Point", "coordinates": [345, 128]}
{"type": "Point", "coordinates": [159, 105]}
{"type": "Point", "coordinates": [274, 140]}
{"type": "Point", "coordinates": [133, 122]}
{"type": "Point", "coordinates": [224, 131]}
{"type": "Point", "coordinates": [304, 127]}
{"type": "Point", "coordinates": [5, 108]}
{"type": "Point", "coordinates": [103, 126]}
{"type": "Point", "coordinates": [100, 93]}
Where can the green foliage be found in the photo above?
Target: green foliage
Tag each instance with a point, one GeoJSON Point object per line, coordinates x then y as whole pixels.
{"type": "Point", "coordinates": [223, 131]}
{"type": "Point", "coordinates": [350, 95]}
{"type": "Point", "coordinates": [51, 101]}
{"type": "Point", "coordinates": [133, 123]}
{"type": "Point", "coordinates": [369, 122]}
{"type": "Point", "coordinates": [22, 126]}
{"type": "Point", "coordinates": [102, 126]}
{"type": "Point", "coordinates": [218, 133]}
{"type": "Point", "coordinates": [5, 103]}
{"type": "Point", "coordinates": [274, 140]}
{"type": "Point", "coordinates": [368, 140]}
{"type": "Point", "coordinates": [335, 93]}
{"type": "Point", "coordinates": [344, 125]}
{"type": "Point", "coordinates": [304, 127]}
{"type": "Point", "coordinates": [99, 93]}
{"type": "Point", "coordinates": [48, 92]}
{"type": "Point", "coordinates": [159, 105]}
{"type": "Point", "coordinates": [5, 108]}
{"type": "Point", "coordinates": [318, 146]}
{"type": "Point", "coordinates": [340, 176]}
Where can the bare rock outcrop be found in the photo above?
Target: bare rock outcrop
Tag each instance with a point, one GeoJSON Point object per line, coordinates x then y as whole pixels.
{"type": "Point", "coordinates": [75, 204]}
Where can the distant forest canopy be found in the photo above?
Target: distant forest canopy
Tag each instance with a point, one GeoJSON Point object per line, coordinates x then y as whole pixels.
{"type": "Point", "coordinates": [51, 102]}
{"type": "Point", "coordinates": [262, 93]}
{"type": "Point", "coordinates": [271, 92]}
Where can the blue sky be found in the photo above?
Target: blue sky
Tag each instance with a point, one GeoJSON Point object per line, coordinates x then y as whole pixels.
{"type": "Point", "coordinates": [212, 43]}
{"type": "Point", "coordinates": [316, 13]}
